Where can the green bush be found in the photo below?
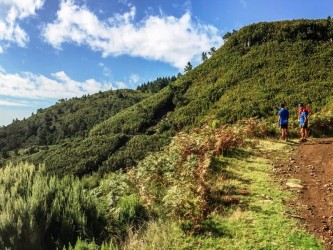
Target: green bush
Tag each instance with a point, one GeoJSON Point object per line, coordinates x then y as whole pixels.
{"type": "Point", "coordinates": [38, 211]}
{"type": "Point", "coordinates": [130, 211]}
{"type": "Point", "coordinates": [133, 151]}
{"type": "Point", "coordinates": [80, 156]}
{"type": "Point", "coordinates": [176, 182]}
{"type": "Point", "coordinates": [321, 125]}
{"type": "Point", "coordinates": [136, 119]}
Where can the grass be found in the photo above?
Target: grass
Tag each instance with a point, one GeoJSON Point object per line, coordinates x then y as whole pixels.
{"type": "Point", "coordinates": [159, 235]}
{"type": "Point", "coordinates": [257, 221]}
{"type": "Point", "coordinates": [260, 221]}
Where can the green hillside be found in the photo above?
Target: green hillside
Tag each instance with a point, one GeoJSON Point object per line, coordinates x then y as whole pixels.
{"type": "Point", "coordinates": [130, 150]}
{"type": "Point", "coordinates": [258, 68]}
{"type": "Point", "coordinates": [66, 119]}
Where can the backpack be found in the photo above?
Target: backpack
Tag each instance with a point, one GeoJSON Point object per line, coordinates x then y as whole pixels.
{"type": "Point", "coordinates": [306, 108]}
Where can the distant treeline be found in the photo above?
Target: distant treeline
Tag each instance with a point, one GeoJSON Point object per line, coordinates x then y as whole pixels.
{"type": "Point", "coordinates": [157, 85]}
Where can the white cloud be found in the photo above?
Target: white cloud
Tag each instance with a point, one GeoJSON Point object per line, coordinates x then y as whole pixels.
{"type": "Point", "coordinates": [134, 79]}
{"type": "Point", "coordinates": [28, 85]}
{"type": "Point", "coordinates": [24, 8]}
{"type": "Point", "coordinates": [121, 85]}
{"type": "Point", "coordinates": [10, 30]}
{"type": "Point", "coordinates": [164, 38]}
{"type": "Point", "coordinates": [13, 104]}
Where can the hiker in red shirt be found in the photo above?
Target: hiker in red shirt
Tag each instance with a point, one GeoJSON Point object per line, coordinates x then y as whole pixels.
{"type": "Point", "coordinates": [301, 108]}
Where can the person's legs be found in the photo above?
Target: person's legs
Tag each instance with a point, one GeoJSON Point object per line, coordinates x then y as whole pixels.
{"type": "Point", "coordinates": [303, 138]}
{"type": "Point", "coordinates": [284, 132]}
{"type": "Point", "coordinates": [306, 130]}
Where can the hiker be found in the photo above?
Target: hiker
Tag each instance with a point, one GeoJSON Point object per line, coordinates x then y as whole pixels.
{"type": "Point", "coordinates": [303, 123]}
{"type": "Point", "coordinates": [283, 116]}
{"type": "Point", "coordinates": [307, 109]}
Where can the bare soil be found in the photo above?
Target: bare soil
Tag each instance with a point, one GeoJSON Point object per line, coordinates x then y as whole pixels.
{"type": "Point", "coordinates": [311, 166]}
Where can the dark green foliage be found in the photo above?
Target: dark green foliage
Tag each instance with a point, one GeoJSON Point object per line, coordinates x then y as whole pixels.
{"type": "Point", "coordinates": [131, 211]}
{"type": "Point", "coordinates": [67, 119]}
{"type": "Point", "coordinates": [107, 143]}
{"type": "Point", "coordinates": [136, 149]}
{"type": "Point", "coordinates": [188, 67]}
{"type": "Point", "coordinates": [138, 118]}
{"type": "Point", "coordinates": [204, 56]}
{"type": "Point", "coordinates": [157, 85]}
{"type": "Point", "coordinates": [38, 211]}
{"type": "Point", "coordinates": [291, 31]}
{"type": "Point", "coordinates": [228, 35]}
{"type": "Point", "coordinates": [79, 156]}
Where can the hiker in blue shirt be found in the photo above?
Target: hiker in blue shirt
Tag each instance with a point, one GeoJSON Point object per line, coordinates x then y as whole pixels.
{"type": "Point", "coordinates": [303, 123]}
{"type": "Point", "coordinates": [283, 117]}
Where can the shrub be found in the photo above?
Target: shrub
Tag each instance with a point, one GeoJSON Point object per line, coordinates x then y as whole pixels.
{"type": "Point", "coordinates": [174, 183]}
{"type": "Point", "coordinates": [38, 211]}
{"type": "Point", "coordinates": [133, 151]}
{"type": "Point", "coordinates": [80, 157]}
{"type": "Point", "coordinates": [130, 211]}
{"type": "Point", "coordinates": [254, 127]}
{"type": "Point", "coordinates": [321, 125]}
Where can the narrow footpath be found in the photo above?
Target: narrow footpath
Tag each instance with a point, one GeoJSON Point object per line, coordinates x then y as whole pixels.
{"type": "Point", "coordinates": [310, 170]}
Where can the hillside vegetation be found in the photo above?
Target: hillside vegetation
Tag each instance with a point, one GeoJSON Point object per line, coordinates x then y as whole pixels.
{"type": "Point", "coordinates": [257, 69]}
{"type": "Point", "coordinates": [142, 170]}
{"type": "Point", "coordinates": [66, 119]}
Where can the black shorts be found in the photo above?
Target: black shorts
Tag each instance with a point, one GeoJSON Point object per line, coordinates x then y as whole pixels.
{"type": "Point", "coordinates": [305, 125]}
{"type": "Point", "coordinates": [284, 126]}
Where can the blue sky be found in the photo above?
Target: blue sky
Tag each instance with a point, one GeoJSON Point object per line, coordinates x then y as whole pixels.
{"type": "Point", "coordinates": [54, 49]}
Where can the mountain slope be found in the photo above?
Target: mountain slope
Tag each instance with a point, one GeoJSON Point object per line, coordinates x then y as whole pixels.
{"type": "Point", "coordinates": [212, 186]}
{"type": "Point", "coordinates": [258, 68]}
{"type": "Point", "coordinates": [66, 119]}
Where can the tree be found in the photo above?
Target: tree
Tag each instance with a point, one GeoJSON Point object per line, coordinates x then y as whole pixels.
{"type": "Point", "coordinates": [212, 51]}
{"type": "Point", "coordinates": [204, 56]}
{"type": "Point", "coordinates": [228, 35]}
{"type": "Point", "coordinates": [188, 67]}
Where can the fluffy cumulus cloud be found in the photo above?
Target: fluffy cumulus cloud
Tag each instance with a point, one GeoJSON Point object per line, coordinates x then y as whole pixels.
{"type": "Point", "coordinates": [14, 11]}
{"type": "Point", "coordinates": [24, 8]}
{"type": "Point", "coordinates": [164, 38]}
{"type": "Point", "coordinates": [28, 85]}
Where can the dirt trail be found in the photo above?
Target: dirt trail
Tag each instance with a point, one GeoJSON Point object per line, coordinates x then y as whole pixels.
{"type": "Point", "coordinates": [312, 163]}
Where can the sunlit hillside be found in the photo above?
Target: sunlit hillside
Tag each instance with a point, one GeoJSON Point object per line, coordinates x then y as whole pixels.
{"type": "Point", "coordinates": [170, 164]}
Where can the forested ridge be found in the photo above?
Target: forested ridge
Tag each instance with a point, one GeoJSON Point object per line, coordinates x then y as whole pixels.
{"type": "Point", "coordinates": [108, 143]}
{"type": "Point", "coordinates": [68, 118]}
